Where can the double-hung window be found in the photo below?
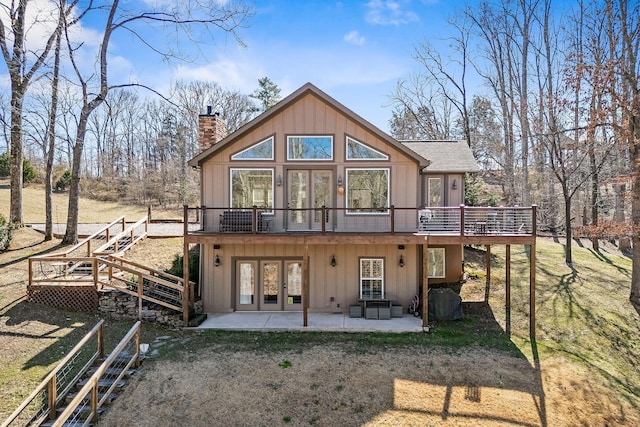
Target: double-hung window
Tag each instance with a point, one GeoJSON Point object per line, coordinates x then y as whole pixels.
{"type": "Point", "coordinates": [371, 278]}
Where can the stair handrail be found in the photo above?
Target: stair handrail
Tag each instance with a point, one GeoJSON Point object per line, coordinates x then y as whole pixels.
{"type": "Point", "coordinates": [92, 383]}
{"type": "Point", "coordinates": [106, 229]}
{"type": "Point", "coordinates": [130, 230]}
{"type": "Point", "coordinates": [162, 278]}
{"type": "Point", "coordinates": [49, 382]}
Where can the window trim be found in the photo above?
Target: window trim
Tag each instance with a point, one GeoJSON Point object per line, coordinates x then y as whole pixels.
{"type": "Point", "coordinates": [266, 211]}
{"type": "Point", "coordinates": [330, 159]}
{"type": "Point", "coordinates": [381, 278]}
{"type": "Point", "coordinates": [385, 157]}
{"type": "Point", "coordinates": [349, 211]}
{"type": "Point", "coordinates": [443, 265]}
{"type": "Point", "coordinates": [271, 138]}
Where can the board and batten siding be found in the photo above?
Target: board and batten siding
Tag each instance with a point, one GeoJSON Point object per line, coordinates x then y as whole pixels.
{"type": "Point", "coordinates": [310, 116]}
{"type": "Point", "coordinates": [325, 281]}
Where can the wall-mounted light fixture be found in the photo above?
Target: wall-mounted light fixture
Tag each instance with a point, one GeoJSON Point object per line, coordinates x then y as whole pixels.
{"type": "Point", "coordinates": [454, 185]}
{"type": "Point", "coordinates": [333, 260]}
{"type": "Point", "coordinates": [217, 261]}
{"type": "Point", "coordinates": [279, 181]}
{"type": "Point", "coordinates": [401, 261]}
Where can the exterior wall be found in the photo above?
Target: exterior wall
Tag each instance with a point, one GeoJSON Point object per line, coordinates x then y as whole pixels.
{"type": "Point", "coordinates": [331, 289]}
{"type": "Point", "coordinates": [310, 116]}
{"type": "Point", "coordinates": [451, 196]}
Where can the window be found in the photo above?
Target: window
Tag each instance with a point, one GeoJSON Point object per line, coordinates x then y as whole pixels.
{"type": "Point", "coordinates": [367, 191]}
{"type": "Point", "coordinates": [260, 151]}
{"type": "Point", "coordinates": [309, 148]}
{"type": "Point", "coordinates": [371, 278]}
{"type": "Point", "coordinates": [251, 187]}
{"type": "Point", "coordinates": [356, 150]}
{"type": "Point", "coordinates": [435, 192]}
{"type": "Point", "coordinates": [435, 260]}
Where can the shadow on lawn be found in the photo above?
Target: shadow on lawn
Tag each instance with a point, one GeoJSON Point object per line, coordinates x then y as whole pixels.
{"type": "Point", "coordinates": [28, 325]}
{"type": "Point", "coordinates": [461, 397]}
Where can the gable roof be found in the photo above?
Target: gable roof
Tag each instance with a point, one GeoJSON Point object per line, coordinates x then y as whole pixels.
{"type": "Point", "coordinates": [306, 89]}
{"type": "Point", "coordinates": [445, 156]}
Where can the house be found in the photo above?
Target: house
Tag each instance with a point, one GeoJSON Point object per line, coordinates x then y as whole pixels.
{"type": "Point", "coordinates": [311, 208]}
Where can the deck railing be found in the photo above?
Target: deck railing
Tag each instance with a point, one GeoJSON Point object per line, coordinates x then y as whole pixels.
{"type": "Point", "coordinates": [461, 220]}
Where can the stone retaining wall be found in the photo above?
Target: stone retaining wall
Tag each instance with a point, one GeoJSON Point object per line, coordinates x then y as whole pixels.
{"type": "Point", "coordinates": [119, 305]}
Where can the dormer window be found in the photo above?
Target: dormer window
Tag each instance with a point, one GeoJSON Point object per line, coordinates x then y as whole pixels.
{"type": "Point", "coordinates": [310, 147]}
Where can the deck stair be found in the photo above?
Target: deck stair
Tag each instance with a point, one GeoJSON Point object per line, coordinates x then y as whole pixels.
{"type": "Point", "coordinates": [77, 391]}
{"type": "Point", "coordinates": [72, 279]}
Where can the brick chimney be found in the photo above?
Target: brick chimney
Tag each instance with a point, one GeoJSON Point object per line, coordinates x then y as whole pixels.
{"type": "Point", "coordinates": [211, 129]}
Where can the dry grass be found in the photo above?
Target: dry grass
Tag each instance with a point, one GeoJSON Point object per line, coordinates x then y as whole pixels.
{"type": "Point", "coordinates": [90, 211]}
{"type": "Point", "coordinates": [481, 371]}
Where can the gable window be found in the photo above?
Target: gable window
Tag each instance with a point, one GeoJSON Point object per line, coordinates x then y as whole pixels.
{"type": "Point", "coordinates": [371, 278]}
{"type": "Point", "coordinates": [435, 192]}
{"type": "Point", "coordinates": [260, 151]}
{"type": "Point", "coordinates": [309, 148]}
{"type": "Point", "coordinates": [356, 150]}
{"type": "Point", "coordinates": [367, 191]}
{"type": "Point", "coordinates": [251, 187]}
{"type": "Point", "coordinates": [435, 268]}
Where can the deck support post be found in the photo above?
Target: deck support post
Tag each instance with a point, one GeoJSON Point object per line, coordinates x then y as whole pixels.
{"type": "Point", "coordinates": [305, 286]}
{"type": "Point", "coordinates": [487, 264]}
{"type": "Point", "coordinates": [532, 273]}
{"type": "Point", "coordinates": [185, 269]}
{"type": "Point", "coordinates": [425, 284]}
{"type": "Point", "coordinates": [507, 278]}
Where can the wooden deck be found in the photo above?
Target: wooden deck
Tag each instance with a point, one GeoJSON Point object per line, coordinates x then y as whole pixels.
{"type": "Point", "coordinates": [459, 225]}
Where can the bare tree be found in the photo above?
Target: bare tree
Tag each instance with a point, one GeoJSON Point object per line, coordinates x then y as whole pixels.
{"type": "Point", "coordinates": [22, 65]}
{"type": "Point", "coordinates": [181, 17]}
{"type": "Point", "coordinates": [441, 82]}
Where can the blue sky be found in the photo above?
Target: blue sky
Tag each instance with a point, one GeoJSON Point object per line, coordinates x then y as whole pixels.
{"type": "Point", "coordinates": [354, 50]}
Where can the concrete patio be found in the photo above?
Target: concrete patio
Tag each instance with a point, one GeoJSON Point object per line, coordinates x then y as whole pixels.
{"type": "Point", "coordinates": [292, 321]}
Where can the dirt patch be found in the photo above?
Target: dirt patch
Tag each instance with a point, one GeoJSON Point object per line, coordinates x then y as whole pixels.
{"type": "Point", "coordinates": [328, 386]}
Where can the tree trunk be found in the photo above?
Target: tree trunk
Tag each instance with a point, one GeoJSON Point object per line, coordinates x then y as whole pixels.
{"type": "Point", "coordinates": [71, 233]}
{"type": "Point", "coordinates": [17, 98]}
{"type": "Point", "coordinates": [51, 135]}
{"type": "Point", "coordinates": [568, 253]}
{"type": "Point", "coordinates": [635, 207]}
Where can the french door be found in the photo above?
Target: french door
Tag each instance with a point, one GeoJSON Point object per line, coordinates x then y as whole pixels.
{"type": "Point", "coordinates": [269, 285]}
{"type": "Point", "coordinates": [308, 192]}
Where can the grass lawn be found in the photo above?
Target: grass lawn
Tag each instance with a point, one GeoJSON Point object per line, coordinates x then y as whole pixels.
{"type": "Point", "coordinates": [483, 370]}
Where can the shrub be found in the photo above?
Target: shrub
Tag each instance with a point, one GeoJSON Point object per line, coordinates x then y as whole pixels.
{"type": "Point", "coordinates": [5, 233]}
{"type": "Point", "coordinates": [28, 171]}
{"type": "Point", "coordinates": [5, 167]}
{"type": "Point", "coordinates": [64, 181]}
{"type": "Point", "coordinates": [194, 266]}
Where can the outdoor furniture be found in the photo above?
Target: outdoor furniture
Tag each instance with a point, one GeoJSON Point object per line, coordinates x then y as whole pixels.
{"type": "Point", "coordinates": [377, 308]}
{"type": "Point", "coordinates": [355, 310]}
{"type": "Point", "coordinates": [242, 221]}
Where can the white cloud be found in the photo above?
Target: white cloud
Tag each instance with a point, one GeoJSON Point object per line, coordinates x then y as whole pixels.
{"type": "Point", "coordinates": [389, 12]}
{"type": "Point", "coordinates": [354, 37]}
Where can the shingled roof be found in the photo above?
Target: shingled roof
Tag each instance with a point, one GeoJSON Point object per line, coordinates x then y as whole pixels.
{"type": "Point", "coordinates": [445, 156]}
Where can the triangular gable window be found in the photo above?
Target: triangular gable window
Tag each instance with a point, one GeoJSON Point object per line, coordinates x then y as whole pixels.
{"type": "Point", "coordinates": [356, 150]}
{"type": "Point", "coordinates": [260, 151]}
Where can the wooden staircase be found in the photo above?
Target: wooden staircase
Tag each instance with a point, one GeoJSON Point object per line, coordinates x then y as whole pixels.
{"type": "Point", "coordinates": [77, 391]}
